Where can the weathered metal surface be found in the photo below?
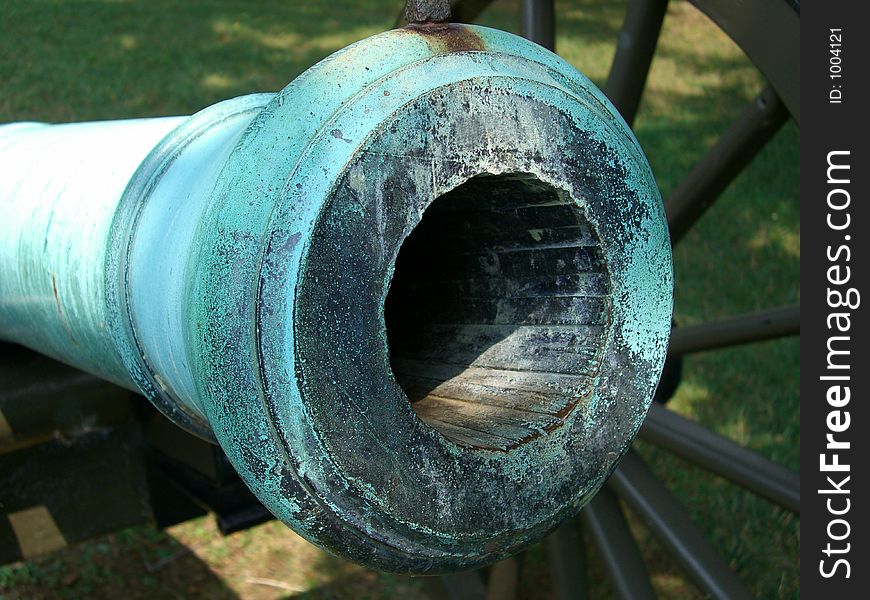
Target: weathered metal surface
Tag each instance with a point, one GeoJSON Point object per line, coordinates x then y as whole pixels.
{"type": "Point", "coordinates": [149, 260]}
{"type": "Point", "coordinates": [448, 215]}
{"type": "Point", "coordinates": [60, 187]}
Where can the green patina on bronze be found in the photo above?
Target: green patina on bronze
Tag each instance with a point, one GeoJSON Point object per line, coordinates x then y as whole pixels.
{"type": "Point", "coordinates": [313, 236]}
{"type": "Point", "coordinates": [423, 306]}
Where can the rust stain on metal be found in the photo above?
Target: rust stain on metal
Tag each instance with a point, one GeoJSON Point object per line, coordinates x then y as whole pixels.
{"type": "Point", "coordinates": [447, 38]}
{"type": "Point", "coordinates": [337, 134]}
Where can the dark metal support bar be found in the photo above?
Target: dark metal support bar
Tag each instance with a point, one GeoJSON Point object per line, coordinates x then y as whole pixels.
{"type": "Point", "coordinates": [721, 456]}
{"type": "Point", "coordinates": [647, 497]}
{"type": "Point", "coordinates": [635, 48]}
{"type": "Point", "coordinates": [539, 22]}
{"type": "Point", "coordinates": [568, 562]}
{"type": "Point", "coordinates": [604, 521]}
{"type": "Point", "coordinates": [756, 125]}
{"type": "Point", "coordinates": [742, 329]}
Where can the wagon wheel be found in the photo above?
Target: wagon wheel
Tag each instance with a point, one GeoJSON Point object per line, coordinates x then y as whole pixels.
{"type": "Point", "coordinates": [768, 32]}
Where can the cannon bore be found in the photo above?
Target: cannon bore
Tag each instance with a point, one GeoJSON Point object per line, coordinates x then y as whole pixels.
{"type": "Point", "coordinates": [498, 311]}
{"type": "Point", "coordinates": [421, 297]}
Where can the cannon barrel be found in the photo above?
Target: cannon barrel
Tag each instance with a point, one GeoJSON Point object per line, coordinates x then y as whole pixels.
{"type": "Point", "coordinates": [421, 297]}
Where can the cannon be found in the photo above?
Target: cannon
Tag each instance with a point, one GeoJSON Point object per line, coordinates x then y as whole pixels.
{"type": "Point", "coordinates": [421, 297]}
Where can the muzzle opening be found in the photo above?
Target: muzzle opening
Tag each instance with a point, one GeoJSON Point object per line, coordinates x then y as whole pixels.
{"type": "Point", "coordinates": [498, 311]}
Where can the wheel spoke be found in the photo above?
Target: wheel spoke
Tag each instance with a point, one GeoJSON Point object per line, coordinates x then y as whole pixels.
{"type": "Point", "coordinates": [721, 456]}
{"type": "Point", "coordinates": [539, 22]}
{"type": "Point", "coordinates": [465, 585]}
{"type": "Point", "coordinates": [755, 126]}
{"type": "Point", "coordinates": [634, 53]}
{"type": "Point", "coordinates": [466, 11]}
{"type": "Point", "coordinates": [604, 521]}
{"type": "Point", "coordinates": [504, 579]}
{"type": "Point", "coordinates": [568, 562]}
{"type": "Point", "coordinates": [742, 329]}
{"type": "Point", "coordinates": [647, 497]}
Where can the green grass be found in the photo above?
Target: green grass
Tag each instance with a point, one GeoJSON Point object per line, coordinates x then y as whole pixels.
{"type": "Point", "coordinates": [87, 59]}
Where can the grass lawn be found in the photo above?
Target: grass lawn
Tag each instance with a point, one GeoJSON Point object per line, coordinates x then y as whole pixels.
{"type": "Point", "coordinates": [76, 60]}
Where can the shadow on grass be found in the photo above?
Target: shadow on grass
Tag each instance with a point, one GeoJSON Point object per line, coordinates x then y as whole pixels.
{"type": "Point", "coordinates": [100, 60]}
{"type": "Point", "coordinates": [139, 563]}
